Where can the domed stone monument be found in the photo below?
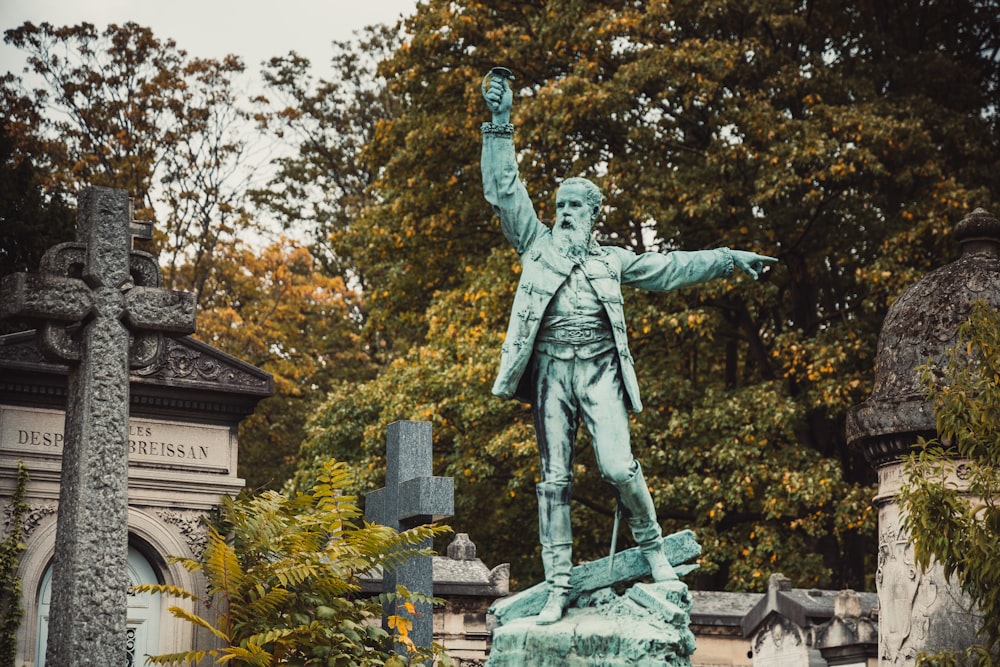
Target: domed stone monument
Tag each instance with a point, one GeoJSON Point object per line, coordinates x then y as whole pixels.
{"type": "Point", "coordinates": [920, 610]}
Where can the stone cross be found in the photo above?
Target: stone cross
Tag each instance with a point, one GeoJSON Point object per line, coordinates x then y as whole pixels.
{"type": "Point", "coordinates": [411, 497]}
{"type": "Point", "coordinates": [101, 308]}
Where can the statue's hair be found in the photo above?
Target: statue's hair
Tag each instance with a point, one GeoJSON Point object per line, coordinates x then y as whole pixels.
{"type": "Point", "coordinates": [593, 193]}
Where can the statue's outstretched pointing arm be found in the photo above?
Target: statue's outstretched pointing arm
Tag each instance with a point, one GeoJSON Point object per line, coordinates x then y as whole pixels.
{"type": "Point", "coordinates": [750, 262]}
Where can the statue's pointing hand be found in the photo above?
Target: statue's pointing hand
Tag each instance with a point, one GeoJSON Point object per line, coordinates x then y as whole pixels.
{"type": "Point", "coordinates": [751, 262]}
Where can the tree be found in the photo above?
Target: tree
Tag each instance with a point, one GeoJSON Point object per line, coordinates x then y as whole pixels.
{"type": "Point", "coordinates": [323, 184]}
{"type": "Point", "coordinates": [127, 110]}
{"type": "Point", "coordinates": [122, 108]}
{"type": "Point", "coordinates": [283, 572]}
{"type": "Point", "coordinates": [961, 530]}
{"type": "Point", "coordinates": [842, 141]}
{"type": "Point", "coordinates": [273, 307]}
{"type": "Point", "coordinates": [25, 206]}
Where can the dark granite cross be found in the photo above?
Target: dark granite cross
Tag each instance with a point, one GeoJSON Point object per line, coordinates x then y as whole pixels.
{"type": "Point", "coordinates": [101, 308]}
{"type": "Point", "coordinates": [411, 497]}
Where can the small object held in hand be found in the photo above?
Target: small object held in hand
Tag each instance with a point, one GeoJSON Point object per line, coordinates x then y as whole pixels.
{"type": "Point", "coordinates": [501, 73]}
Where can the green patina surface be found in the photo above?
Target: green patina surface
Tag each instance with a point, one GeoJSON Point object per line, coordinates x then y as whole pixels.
{"type": "Point", "coordinates": [647, 625]}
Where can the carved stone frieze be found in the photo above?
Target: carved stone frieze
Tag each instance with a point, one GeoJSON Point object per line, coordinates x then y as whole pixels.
{"type": "Point", "coordinates": [919, 609]}
{"type": "Point", "coordinates": [190, 525]}
{"type": "Point", "coordinates": [192, 363]}
{"type": "Point", "coordinates": [29, 521]}
{"type": "Point", "coordinates": [34, 516]}
{"type": "Point", "coordinates": [184, 361]}
{"type": "Point", "coordinates": [778, 634]}
{"type": "Point", "coordinates": [906, 595]}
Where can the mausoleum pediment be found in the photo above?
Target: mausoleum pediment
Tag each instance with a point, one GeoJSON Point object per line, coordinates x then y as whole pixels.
{"type": "Point", "coordinates": [189, 376]}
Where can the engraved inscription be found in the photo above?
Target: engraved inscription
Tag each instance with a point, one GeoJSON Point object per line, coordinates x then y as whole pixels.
{"type": "Point", "coordinates": [36, 431]}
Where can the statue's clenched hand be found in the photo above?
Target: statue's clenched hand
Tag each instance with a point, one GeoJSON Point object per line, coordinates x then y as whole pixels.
{"type": "Point", "coordinates": [498, 93]}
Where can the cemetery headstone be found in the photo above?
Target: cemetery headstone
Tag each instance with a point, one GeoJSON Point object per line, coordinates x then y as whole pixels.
{"type": "Point", "coordinates": [412, 496]}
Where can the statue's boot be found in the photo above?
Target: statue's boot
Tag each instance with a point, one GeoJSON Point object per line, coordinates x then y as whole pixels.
{"type": "Point", "coordinates": [556, 536]}
{"type": "Point", "coordinates": [638, 505]}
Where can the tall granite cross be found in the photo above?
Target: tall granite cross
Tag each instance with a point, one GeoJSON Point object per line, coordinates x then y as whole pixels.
{"type": "Point", "coordinates": [101, 308]}
{"type": "Point", "coordinates": [411, 497]}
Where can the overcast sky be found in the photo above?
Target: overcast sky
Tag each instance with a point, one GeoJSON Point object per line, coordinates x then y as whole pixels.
{"type": "Point", "coordinates": [254, 29]}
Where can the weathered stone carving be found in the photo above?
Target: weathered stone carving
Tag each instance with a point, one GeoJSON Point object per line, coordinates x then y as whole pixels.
{"type": "Point", "coordinates": [191, 526]}
{"type": "Point", "coordinates": [920, 611]}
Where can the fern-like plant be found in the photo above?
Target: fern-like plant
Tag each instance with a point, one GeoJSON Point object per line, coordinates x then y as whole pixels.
{"type": "Point", "coordinates": [282, 573]}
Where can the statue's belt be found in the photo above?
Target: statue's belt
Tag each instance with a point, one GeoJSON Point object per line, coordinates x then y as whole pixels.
{"type": "Point", "coordinates": [573, 335]}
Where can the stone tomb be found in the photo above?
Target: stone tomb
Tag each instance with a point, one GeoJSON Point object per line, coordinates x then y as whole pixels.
{"type": "Point", "coordinates": [185, 410]}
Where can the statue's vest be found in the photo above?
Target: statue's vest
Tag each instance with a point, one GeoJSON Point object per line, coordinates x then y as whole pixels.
{"type": "Point", "coordinates": [544, 270]}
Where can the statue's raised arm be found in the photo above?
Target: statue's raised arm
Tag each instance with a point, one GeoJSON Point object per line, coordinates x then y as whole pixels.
{"type": "Point", "coordinates": [498, 93]}
{"type": "Point", "coordinates": [502, 186]}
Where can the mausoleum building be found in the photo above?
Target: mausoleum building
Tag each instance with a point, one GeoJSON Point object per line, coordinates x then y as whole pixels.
{"type": "Point", "coordinates": [185, 409]}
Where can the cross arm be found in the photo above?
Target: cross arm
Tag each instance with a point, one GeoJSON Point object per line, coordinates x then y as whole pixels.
{"type": "Point", "coordinates": [44, 297]}
{"type": "Point", "coordinates": [426, 499]}
{"type": "Point", "coordinates": [375, 509]}
{"type": "Point", "coordinates": [154, 308]}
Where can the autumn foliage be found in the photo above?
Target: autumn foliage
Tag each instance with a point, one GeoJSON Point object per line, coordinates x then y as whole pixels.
{"type": "Point", "coordinates": [370, 276]}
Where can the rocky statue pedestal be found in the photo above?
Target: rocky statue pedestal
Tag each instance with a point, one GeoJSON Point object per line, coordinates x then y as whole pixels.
{"type": "Point", "coordinates": [611, 619]}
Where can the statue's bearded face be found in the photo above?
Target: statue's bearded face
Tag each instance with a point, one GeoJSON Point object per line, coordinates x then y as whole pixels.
{"type": "Point", "coordinates": [574, 216]}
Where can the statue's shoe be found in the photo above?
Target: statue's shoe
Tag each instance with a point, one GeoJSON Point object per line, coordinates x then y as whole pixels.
{"type": "Point", "coordinates": [555, 607]}
{"type": "Point", "coordinates": [659, 566]}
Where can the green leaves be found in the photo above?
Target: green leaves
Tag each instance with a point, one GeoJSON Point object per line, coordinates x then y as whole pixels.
{"type": "Point", "coordinates": [959, 528]}
{"type": "Point", "coordinates": [282, 574]}
{"type": "Point", "coordinates": [11, 547]}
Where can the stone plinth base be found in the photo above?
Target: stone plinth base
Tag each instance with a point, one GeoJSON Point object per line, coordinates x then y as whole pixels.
{"type": "Point", "coordinates": [646, 626]}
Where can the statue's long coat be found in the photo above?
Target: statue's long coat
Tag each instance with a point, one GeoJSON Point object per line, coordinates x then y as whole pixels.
{"type": "Point", "coordinates": [544, 270]}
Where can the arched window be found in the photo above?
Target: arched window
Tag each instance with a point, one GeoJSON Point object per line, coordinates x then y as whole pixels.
{"type": "Point", "coordinates": [143, 632]}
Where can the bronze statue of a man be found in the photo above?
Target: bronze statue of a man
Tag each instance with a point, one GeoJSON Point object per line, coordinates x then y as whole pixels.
{"type": "Point", "coordinates": [566, 350]}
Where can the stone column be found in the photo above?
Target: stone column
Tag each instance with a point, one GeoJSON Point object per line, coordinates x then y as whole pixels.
{"type": "Point", "coordinates": [920, 611]}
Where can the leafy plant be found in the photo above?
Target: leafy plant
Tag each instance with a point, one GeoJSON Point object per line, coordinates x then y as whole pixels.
{"type": "Point", "coordinates": [961, 529]}
{"type": "Point", "coordinates": [282, 575]}
{"type": "Point", "coordinates": [10, 584]}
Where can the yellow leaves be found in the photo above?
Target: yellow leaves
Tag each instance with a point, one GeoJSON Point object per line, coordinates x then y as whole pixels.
{"type": "Point", "coordinates": [402, 627]}
{"type": "Point", "coordinates": [717, 510]}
